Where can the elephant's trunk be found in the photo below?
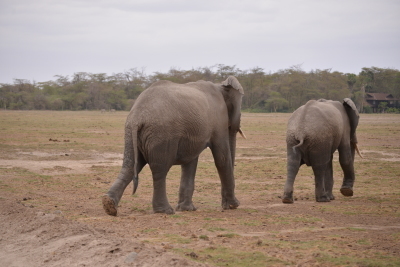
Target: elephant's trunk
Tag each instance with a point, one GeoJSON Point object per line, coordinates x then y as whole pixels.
{"type": "Point", "coordinates": [234, 100]}
{"type": "Point", "coordinates": [135, 158]}
{"type": "Point", "coordinates": [232, 145]}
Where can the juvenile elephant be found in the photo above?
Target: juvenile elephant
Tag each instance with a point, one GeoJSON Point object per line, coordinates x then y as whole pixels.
{"type": "Point", "coordinates": [314, 132]}
{"type": "Point", "coordinates": [171, 124]}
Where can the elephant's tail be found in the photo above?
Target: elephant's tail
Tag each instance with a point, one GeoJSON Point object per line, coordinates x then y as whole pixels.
{"type": "Point", "coordinates": [135, 158]}
{"type": "Point", "coordinates": [301, 142]}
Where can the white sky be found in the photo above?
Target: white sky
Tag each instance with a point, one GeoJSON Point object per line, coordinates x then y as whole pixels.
{"type": "Point", "coordinates": [43, 38]}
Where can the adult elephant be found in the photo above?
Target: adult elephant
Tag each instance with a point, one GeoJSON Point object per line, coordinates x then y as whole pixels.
{"type": "Point", "coordinates": [171, 124]}
{"type": "Point", "coordinates": [314, 132]}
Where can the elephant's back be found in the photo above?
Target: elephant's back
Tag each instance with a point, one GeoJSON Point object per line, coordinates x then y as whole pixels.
{"type": "Point", "coordinates": [318, 126]}
{"type": "Point", "coordinates": [164, 98]}
{"type": "Point", "coordinates": [172, 116]}
{"type": "Point", "coordinates": [323, 116]}
{"type": "Point", "coordinates": [177, 105]}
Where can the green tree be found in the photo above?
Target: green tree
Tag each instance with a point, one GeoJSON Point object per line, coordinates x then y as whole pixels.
{"type": "Point", "coordinates": [382, 106]}
{"type": "Point", "coordinates": [116, 99]}
{"type": "Point", "coordinates": [276, 102]}
{"type": "Point", "coordinates": [285, 89]}
{"type": "Point", "coordinates": [351, 81]}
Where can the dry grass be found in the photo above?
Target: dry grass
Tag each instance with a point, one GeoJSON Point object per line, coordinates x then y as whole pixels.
{"type": "Point", "coordinates": [70, 175]}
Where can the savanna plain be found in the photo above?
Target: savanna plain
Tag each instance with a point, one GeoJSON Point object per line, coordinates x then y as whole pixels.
{"type": "Point", "coordinates": [56, 165]}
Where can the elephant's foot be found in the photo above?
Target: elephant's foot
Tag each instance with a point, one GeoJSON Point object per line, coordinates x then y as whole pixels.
{"type": "Point", "coordinates": [109, 205]}
{"type": "Point", "coordinates": [287, 198]}
{"type": "Point", "coordinates": [185, 207]}
{"type": "Point", "coordinates": [323, 199]}
{"type": "Point", "coordinates": [230, 203]}
{"type": "Point", "coordinates": [346, 191]}
{"type": "Point", "coordinates": [167, 210]}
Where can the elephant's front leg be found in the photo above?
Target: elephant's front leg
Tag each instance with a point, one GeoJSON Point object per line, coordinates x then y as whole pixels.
{"type": "Point", "coordinates": [186, 188]}
{"type": "Point", "coordinates": [346, 159]}
{"type": "Point", "coordinates": [160, 200]}
{"type": "Point", "coordinates": [223, 162]}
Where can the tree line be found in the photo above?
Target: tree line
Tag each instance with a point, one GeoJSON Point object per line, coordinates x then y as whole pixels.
{"type": "Point", "coordinates": [281, 91]}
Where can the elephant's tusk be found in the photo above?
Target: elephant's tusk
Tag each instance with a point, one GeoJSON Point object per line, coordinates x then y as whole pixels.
{"type": "Point", "coordinates": [242, 134]}
{"type": "Point", "coordinates": [358, 151]}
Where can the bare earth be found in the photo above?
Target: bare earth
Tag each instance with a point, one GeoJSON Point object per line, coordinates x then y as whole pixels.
{"type": "Point", "coordinates": [55, 167]}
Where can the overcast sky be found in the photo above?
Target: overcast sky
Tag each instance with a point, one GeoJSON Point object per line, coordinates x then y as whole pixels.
{"type": "Point", "coordinates": [43, 38]}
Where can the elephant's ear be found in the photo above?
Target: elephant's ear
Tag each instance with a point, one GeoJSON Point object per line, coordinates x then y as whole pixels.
{"type": "Point", "coordinates": [234, 83]}
{"type": "Point", "coordinates": [353, 115]}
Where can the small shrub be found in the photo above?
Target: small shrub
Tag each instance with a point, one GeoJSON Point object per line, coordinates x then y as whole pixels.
{"type": "Point", "coordinates": [204, 237]}
{"type": "Point", "coordinates": [393, 110]}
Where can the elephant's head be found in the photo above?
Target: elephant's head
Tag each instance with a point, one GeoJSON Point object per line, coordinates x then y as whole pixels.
{"type": "Point", "coordinates": [233, 93]}
{"type": "Point", "coordinates": [354, 117]}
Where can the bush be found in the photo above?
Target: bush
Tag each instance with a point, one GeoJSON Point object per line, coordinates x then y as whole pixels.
{"type": "Point", "coordinates": [367, 109]}
{"type": "Point", "coordinates": [393, 110]}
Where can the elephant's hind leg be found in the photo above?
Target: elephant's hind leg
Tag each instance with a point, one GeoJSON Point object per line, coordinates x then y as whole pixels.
{"type": "Point", "coordinates": [329, 180]}
{"type": "Point", "coordinates": [321, 194]}
{"type": "Point", "coordinates": [293, 166]}
{"type": "Point", "coordinates": [186, 188]}
{"type": "Point", "coordinates": [160, 200]}
{"type": "Point", "coordinates": [114, 194]}
{"type": "Point", "coordinates": [109, 205]}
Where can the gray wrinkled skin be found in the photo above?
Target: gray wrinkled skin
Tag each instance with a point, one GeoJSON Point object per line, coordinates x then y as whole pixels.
{"type": "Point", "coordinates": [171, 124]}
{"type": "Point", "coordinates": [314, 132]}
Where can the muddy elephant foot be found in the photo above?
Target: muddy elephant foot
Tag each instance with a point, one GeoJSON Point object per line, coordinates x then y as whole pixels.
{"type": "Point", "coordinates": [109, 205]}
{"type": "Point", "coordinates": [323, 199]}
{"type": "Point", "coordinates": [346, 191]}
{"type": "Point", "coordinates": [185, 207]}
{"type": "Point", "coordinates": [230, 203]}
{"type": "Point", "coordinates": [331, 197]}
{"type": "Point", "coordinates": [287, 198]}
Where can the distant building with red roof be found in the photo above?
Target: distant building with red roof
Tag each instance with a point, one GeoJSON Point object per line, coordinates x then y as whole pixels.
{"type": "Point", "coordinates": [374, 99]}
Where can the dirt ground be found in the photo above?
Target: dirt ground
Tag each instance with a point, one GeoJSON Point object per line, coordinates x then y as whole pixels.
{"type": "Point", "coordinates": [55, 166]}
